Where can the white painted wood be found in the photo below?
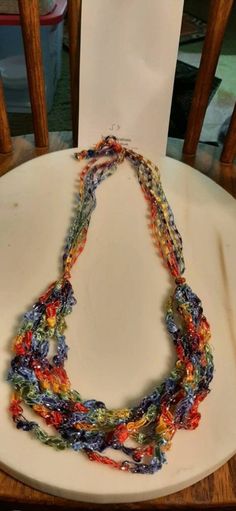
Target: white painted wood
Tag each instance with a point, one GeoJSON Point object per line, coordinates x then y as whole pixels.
{"type": "Point", "coordinates": [118, 344]}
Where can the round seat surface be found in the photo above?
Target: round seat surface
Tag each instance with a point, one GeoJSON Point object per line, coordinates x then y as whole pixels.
{"type": "Point", "coordinates": [119, 347]}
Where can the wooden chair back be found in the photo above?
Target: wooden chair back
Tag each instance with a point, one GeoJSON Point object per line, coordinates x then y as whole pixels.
{"type": "Point", "coordinates": [30, 25]}
{"type": "Point", "coordinates": [218, 16]}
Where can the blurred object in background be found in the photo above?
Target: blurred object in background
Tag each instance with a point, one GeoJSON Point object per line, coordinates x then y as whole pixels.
{"type": "Point", "coordinates": [192, 29]}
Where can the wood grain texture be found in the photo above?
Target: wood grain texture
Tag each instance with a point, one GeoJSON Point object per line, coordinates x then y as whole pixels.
{"type": "Point", "coordinates": [5, 137]}
{"type": "Point", "coordinates": [214, 492]}
{"type": "Point", "coordinates": [229, 149]}
{"type": "Point", "coordinates": [218, 16]}
{"type": "Point", "coordinates": [29, 17]}
{"type": "Point", "coordinates": [217, 491]}
{"type": "Point", "coordinates": [74, 27]}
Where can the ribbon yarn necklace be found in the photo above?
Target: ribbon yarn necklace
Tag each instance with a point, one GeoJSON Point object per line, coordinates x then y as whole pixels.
{"type": "Point", "coordinates": [40, 381]}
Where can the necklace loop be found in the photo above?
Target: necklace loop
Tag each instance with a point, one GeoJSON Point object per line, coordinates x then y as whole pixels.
{"type": "Point", "coordinates": [41, 382]}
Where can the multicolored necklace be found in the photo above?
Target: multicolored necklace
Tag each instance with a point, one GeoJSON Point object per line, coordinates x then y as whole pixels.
{"type": "Point", "coordinates": [41, 382]}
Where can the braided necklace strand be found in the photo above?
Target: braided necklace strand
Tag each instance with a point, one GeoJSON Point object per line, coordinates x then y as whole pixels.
{"type": "Point", "coordinates": [41, 382]}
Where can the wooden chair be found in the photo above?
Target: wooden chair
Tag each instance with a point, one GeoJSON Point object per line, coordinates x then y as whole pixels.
{"type": "Point", "coordinates": [30, 24]}
{"type": "Point", "coordinates": [217, 164]}
{"type": "Point", "coordinates": [217, 490]}
{"type": "Point", "coordinates": [217, 20]}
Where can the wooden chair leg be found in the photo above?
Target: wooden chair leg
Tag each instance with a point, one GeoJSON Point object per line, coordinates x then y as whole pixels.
{"type": "Point", "coordinates": [30, 25]}
{"type": "Point", "coordinates": [74, 25]}
{"type": "Point", "coordinates": [217, 20]}
{"type": "Point", "coordinates": [5, 137]}
{"type": "Point", "coordinates": [229, 149]}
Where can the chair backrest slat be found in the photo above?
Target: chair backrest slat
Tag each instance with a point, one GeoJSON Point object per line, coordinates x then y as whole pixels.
{"type": "Point", "coordinates": [229, 149]}
{"type": "Point", "coordinates": [74, 26]}
{"type": "Point", "coordinates": [30, 25]}
{"type": "Point", "coordinates": [218, 16]}
{"type": "Point", "coordinates": [5, 136]}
